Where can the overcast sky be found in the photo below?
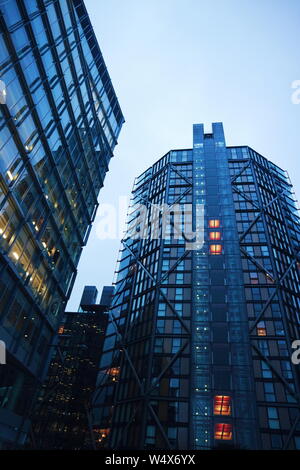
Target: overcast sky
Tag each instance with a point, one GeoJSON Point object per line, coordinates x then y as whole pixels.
{"type": "Point", "coordinates": [178, 62]}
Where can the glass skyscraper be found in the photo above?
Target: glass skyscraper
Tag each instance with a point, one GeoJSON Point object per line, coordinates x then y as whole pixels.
{"type": "Point", "coordinates": [206, 306]}
{"type": "Point", "coordinates": [59, 123]}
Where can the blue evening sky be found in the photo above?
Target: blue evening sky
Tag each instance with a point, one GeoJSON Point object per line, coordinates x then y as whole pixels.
{"type": "Point", "coordinates": [178, 62]}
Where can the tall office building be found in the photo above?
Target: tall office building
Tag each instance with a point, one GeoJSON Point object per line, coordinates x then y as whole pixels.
{"type": "Point", "coordinates": [202, 326]}
{"type": "Point", "coordinates": [62, 417]}
{"type": "Point", "coordinates": [59, 123]}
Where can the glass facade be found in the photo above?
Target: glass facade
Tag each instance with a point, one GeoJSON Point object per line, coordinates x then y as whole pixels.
{"type": "Point", "coordinates": [202, 356]}
{"type": "Point", "coordinates": [59, 123]}
{"type": "Point", "coordinates": [269, 233]}
{"type": "Point", "coordinates": [221, 348]}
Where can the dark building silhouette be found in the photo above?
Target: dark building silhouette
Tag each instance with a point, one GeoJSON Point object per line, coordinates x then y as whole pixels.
{"type": "Point", "coordinates": [62, 419]}
{"type": "Point", "coordinates": [199, 344]}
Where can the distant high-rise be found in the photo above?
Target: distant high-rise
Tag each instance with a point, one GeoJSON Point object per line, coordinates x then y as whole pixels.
{"type": "Point", "coordinates": [59, 124]}
{"type": "Point", "coordinates": [89, 296]}
{"type": "Point", "coordinates": [201, 330]}
{"type": "Point", "coordinates": [62, 418]}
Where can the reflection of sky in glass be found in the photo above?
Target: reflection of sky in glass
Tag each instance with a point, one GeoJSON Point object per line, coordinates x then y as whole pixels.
{"type": "Point", "coordinates": [178, 62]}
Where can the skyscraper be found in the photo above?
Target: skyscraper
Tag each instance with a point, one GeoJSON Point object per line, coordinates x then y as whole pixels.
{"type": "Point", "coordinates": [206, 306]}
{"type": "Point", "coordinates": [62, 418]}
{"type": "Point", "coordinates": [59, 123]}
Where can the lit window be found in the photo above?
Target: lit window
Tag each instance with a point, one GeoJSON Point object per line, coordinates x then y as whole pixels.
{"type": "Point", "coordinates": [102, 434]}
{"type": "Point", "coordinates": [214, 223]}
{"type": "Point", "coordinates": [261, 329]}
{"type": "Point", "coordinates": [215, 236]}
{"type": "Point", "coordinates": [223, 431]}
{"type": "Point", "coordinates": [61, 330]}
{"type": "Point", "coordinates": [114, 372]}
{"type": "Point", "coordinates": [215, 249]}
{"type": "Point", "coordinates": [222, 405]}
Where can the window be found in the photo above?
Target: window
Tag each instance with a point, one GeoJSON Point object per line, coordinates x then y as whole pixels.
{"type": "Point", "coordinates": [160, 325]}
{"type": "Point", "coordinates": [167, 251]}
{"type": "Point", "coordinates": [273, 418]}
{"type": "Point", "coordinates": [253, 278]}
{"type": "Point", "coordinates": [102, 434]}
{"type": "Point", "coordinates": [222, 405]}
{"type": "Point", "coordinates": [61, 330]}
{"type": "Point", "coordinates": [250, 250]}
{"type": "Point", "coordinates": [179, 308]}
{"type": "Point", "coordinates": [261, 329]}
{"type": "Point", "coordinates": [180, 251]}
{"type": "Point", "coordinates": [223, 431]}
{"type": "Point", "coordinates": [276, 312]}
{"type": "Point", "coordinates": [286, 369]}
{"type": "Point", "coordinates": [256, 293]}
{"type": "Point", "coordinates": [297, 442]}
{"type": "Point", "coordinates": [114, 373]}
{"type": "Point", "coordinates": [174, 387]}
{"type": "Point", "coordinates": [264, 347]}
{"type": "Point", "coordinates": [215, 235]}
{"type": "Point", "coordinates": [177, 329]}
{"type": "Point", "coordinates": [150, 435]}
{"type": "Point", "coordinates": [279, 330]}
{"type": "Point", "coordinates": [178, 293]}
{"type": "Point", "coordinates": [180, 266]}
{"type": "Point", "coordinates": [264, 251]}
{"type": "Point", "coordinates": [215, 249]}
{"type": "Point", "coordinates": [172, 435]}
{"type": "Point", "coordinates": [165, 265]}
{"type": "Point", "coordinates": [158, 347]}
{"type": "Point", "coordinates": [176, 343]}
{"type": "Point", "coordinates": [269, 391]}
{"type": "Point", "coordinates": [266, 371]}
{"type": "Point", "coordinates": [282, 346]}
{"type": "Point", "coordinates": [276, 441]}
{"type": "Point", "coordinates": [214, 223]}
{"type": "Point", "coordinates": [257, 309]}
{"type": "Point", "coordinates": [161, 310]}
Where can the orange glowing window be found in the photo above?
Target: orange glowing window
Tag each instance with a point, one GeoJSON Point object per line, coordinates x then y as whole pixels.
{"type": "Point", "coordinates": [102, 433]}
{"type": "Point", "coordinates": [222, 405]}
{"type": "Point", "coordinates": [215, 249]}
{"type": "Point", "coordinates": [215, 235]}
{"type": "Point", "coordinates": [261, 329]}
{"type": "Point", "coordinates": [214, 223]}
{"type": "Point", "coordinates": [114, 372]}
{"type": "Point", "coordinates": [61, 329]}
{"type": "Point", "coordinates": [223, 431]}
